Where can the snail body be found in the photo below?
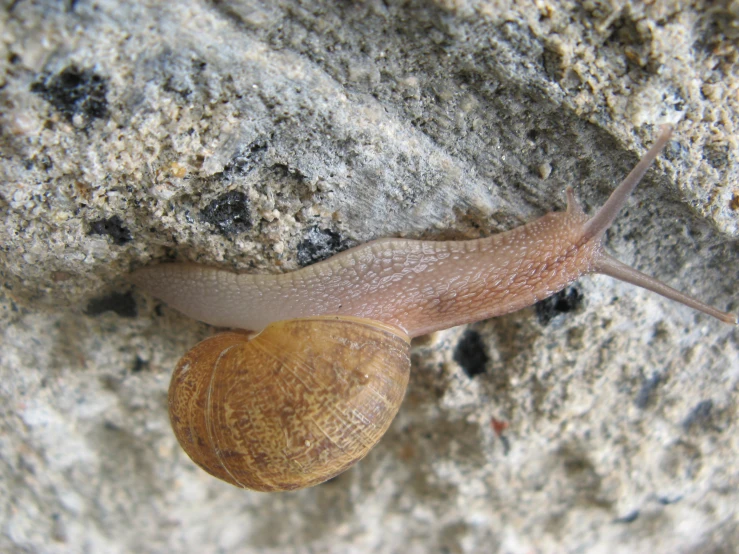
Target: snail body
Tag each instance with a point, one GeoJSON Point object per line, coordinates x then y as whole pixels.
{"type": "Point", "coordinates": [297, 405]}
{"type": "Point", "coordinates": [417, 286]}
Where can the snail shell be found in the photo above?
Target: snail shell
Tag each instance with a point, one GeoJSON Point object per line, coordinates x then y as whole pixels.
{"type": "Point", "coordinates": [294, 406]}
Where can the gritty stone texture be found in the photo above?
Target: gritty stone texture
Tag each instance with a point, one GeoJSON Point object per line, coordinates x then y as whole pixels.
{"type": "Point", "coordinates": [611, 427]}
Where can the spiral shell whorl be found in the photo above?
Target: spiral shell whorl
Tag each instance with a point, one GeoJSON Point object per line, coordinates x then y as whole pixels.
{"type": "Point", "coordinates": [296, 405]}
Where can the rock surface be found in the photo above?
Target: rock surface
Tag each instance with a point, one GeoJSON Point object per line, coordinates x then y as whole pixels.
{"type": "Point", "coordinates": [263, 136]}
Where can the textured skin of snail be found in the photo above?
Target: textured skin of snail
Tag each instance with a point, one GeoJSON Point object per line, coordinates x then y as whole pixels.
{"type": "Point", "coordinates": [294, 406]}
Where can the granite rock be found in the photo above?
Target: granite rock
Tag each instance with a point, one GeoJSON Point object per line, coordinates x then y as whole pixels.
{"type": "Point", "coordinates": [261, 136]}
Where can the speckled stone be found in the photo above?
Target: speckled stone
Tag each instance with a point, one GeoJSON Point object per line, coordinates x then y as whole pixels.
{"type": "Point", "coordinates": [262, 135]}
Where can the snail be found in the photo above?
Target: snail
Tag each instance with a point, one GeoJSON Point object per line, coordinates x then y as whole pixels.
{"type": "Point", "coordinates": [320, 383]}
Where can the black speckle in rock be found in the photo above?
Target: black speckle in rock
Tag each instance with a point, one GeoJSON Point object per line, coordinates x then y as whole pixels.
{"type": "Point", "coordinates": [229, 213]}
{"type": "Point", "coordinates": [110, 426]}
{"type": "Point", "coordinates": [318, 245]}
{"type": "Point", "coordinates": [121, 303]}
{"type": "Point", "coordinates": [246, 160]}
{"type": "Point", "coordinates": [631, 517]}
{"type": "Point", "coordinates": [506, 444]}
{"type": "Point", "coordinates": [701, 416]}
{"type": "Point", "coordinates": [470, 354]}
{"type": "Point", "coordinates": [75, 91]}
{"type": "Point", "coordinates": [112, 227]}
{"type": "Point", "coordinates": [139, 365]}
{"type": "Point", "coordinates": [645, 396]}
{"type": "Point", "coordinates": [563, 302]}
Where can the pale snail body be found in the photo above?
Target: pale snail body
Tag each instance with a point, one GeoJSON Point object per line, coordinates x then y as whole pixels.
{"type": "Point", "coordinates": [401, 289]}
{"type": "Point", "coordinates": [417, 286]}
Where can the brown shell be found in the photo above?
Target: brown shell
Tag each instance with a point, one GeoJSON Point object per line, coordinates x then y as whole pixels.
{"type": "Point", "coordinates": [295, 406]}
